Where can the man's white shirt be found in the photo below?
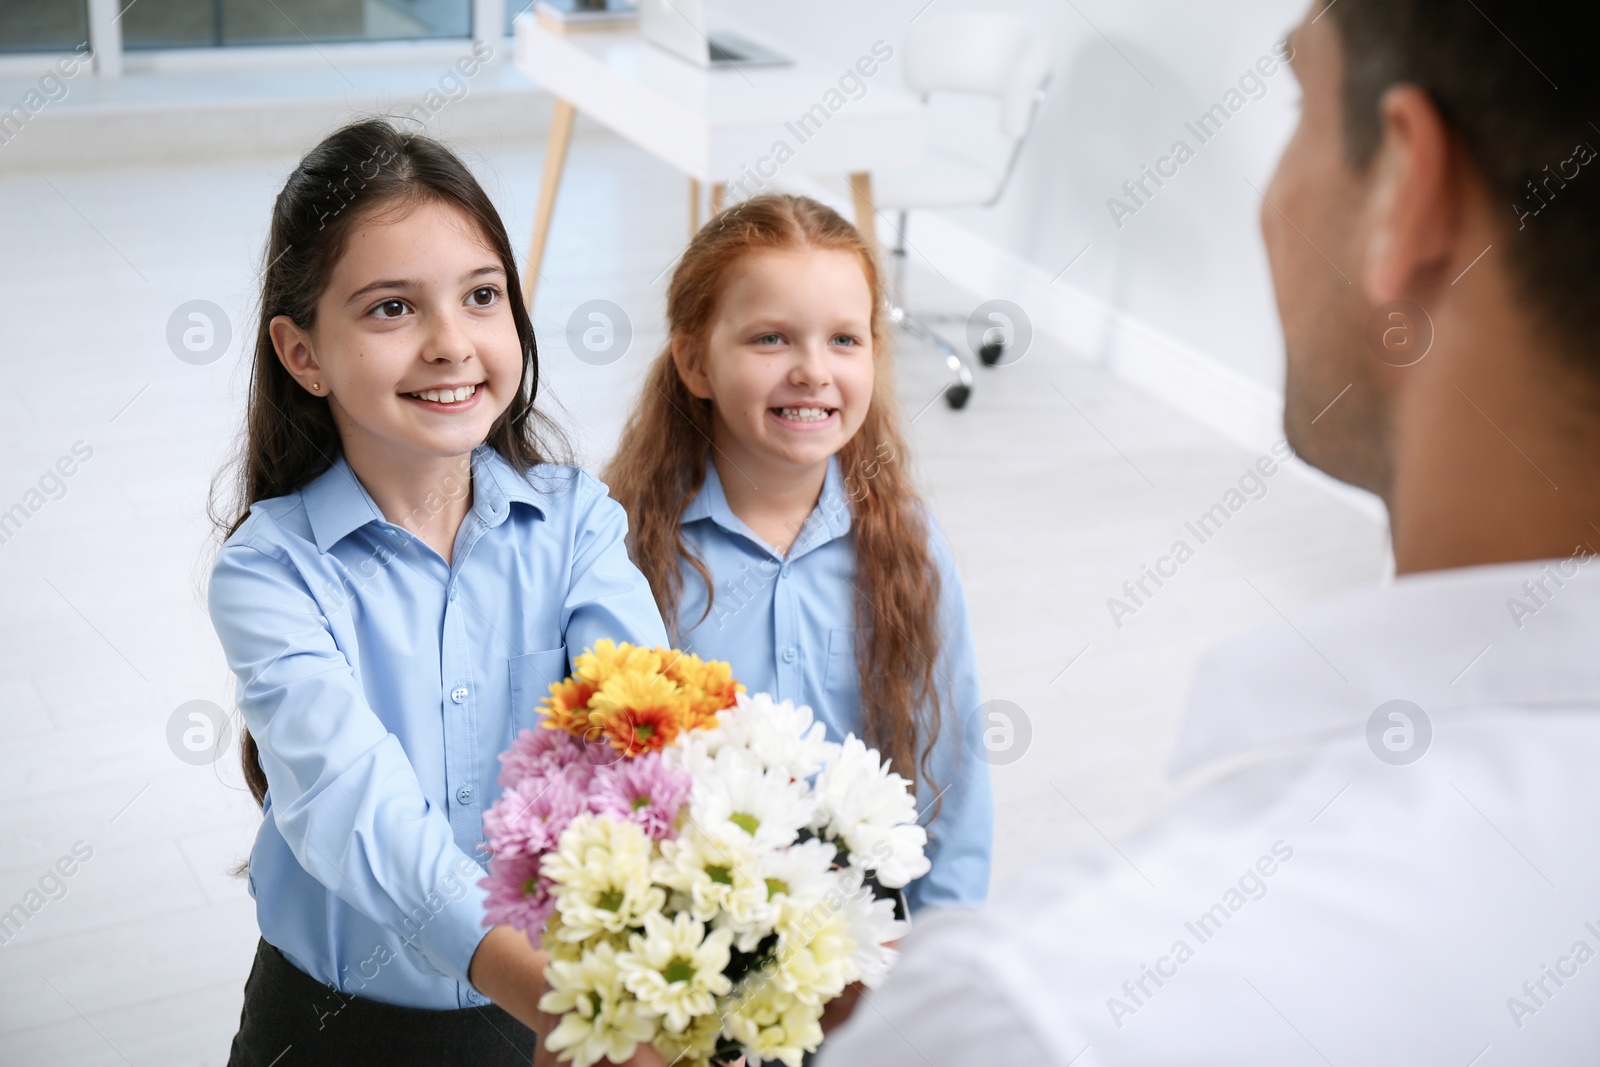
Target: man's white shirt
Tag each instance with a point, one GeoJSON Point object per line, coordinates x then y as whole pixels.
{"type": "Point", "coordinates": [1398, 865]}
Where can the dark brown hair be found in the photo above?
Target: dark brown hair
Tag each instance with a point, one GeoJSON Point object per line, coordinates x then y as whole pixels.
{"type": "Point", "coordinates": [661, 463]}
{"type": "Point", "coordinates": [364, 168]}
{"type": "Point", "coordinates": [1517, 83]}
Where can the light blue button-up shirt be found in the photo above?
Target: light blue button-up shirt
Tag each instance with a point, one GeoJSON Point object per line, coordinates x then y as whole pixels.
{"type": "Point", "coordinates": [788, 626]}
{"type": "Point", "coordinates": [381, 683]}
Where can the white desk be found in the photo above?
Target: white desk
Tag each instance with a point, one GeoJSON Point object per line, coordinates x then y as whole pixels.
{"type": "Point", "coordinates": [719, 126]}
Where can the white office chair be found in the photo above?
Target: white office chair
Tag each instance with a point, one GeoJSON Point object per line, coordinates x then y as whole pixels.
{"type": "Point", "coordinates": [982, 53]}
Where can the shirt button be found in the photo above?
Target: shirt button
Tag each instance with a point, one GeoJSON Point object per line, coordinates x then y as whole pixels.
{"type": "Point", "coordinates": [452, 592]}
{"type": "Point", "coordinates": [464, 794]}
{"type": "Point", "coordinates": [459, 694]}
{"type": "Point", "coordinates": [790, 654]}
{"type": "Point", "coordinates": [785, 572]}
{"type": "Point", "coordinates": [475, 997]}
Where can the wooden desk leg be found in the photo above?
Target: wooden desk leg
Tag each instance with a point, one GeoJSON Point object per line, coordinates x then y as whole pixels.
{"type": "Point", "coordinates": [719, 197]}
{"type": "Point", "coordinates": [861, 193]}
{"type": "Point", "coordinates": [694, 207]}
{"type": "Point", "coordinates": [555, 158]}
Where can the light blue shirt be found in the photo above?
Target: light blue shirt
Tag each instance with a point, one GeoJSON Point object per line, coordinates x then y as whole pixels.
{"type": "Point", "coordinates": [788, 626]}
{"type": "Point", "coordinates": [381, 683]}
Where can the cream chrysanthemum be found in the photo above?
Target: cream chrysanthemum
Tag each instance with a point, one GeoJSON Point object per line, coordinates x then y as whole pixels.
{"type": "Point", "coordinates": [772, 1024]}
{"type": "Point", "coordinates": [601, 875]}
{"type": "Point", "coordinates": [719, 880]}
{"type": "Point", "coordinates": [600, 1019]}
{"type": "Point", "coordinates": [815, 957]}
{"type": "Point", "coordinates": [675, 968]}
{"type": "Point", "coordinates": [694, 1046]}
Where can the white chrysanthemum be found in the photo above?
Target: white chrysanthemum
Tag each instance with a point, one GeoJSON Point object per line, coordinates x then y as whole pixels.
{"type": "Point", "coordinates": [601, 870]}
{"type": "Point", "coordinates": [798, 878]}
{"type": "Point", "coordinates": [735, 799]}
{"type": "Point", "coordinates": [872, 927]}
{"type": "Point", "coordinates": [782, 737]}
{"type": "Point", "coordinates": [772, 1024]}
{"type": "Point", "coordinates": [868, 808]}
{"type": "Point", "coordinates": [689, 752]}
{"type": "Point", "coordinates": [599, 1018]}
{"type": "Point", "coordinates": [675, 968]}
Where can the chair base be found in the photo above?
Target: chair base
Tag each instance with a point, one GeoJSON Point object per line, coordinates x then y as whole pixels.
{"type": "Point", "coordinates": [959, 391]}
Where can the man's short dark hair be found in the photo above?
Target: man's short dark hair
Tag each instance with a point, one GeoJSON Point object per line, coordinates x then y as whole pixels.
{"type": "Point", "coordinates": [1517, 81]}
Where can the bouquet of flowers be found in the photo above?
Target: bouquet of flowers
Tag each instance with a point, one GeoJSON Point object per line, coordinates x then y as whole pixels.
{"type": "Point", "coordinates": [698, 863]}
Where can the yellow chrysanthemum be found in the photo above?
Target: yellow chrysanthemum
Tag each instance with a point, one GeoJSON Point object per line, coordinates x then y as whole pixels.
{"type": "Point", "coordinates": [608, 659]}
{"type": "Point", "coordinates": [639, 711]}
{"type": "Point", "coordinates": [709, 685]}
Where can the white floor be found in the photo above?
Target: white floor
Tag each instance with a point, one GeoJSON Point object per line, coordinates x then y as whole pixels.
{"type": "Point", "coordinates": [1055, 485]}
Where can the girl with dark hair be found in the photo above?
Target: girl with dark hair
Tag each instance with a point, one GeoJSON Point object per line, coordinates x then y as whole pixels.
{"type": "Point", "coordinates": [770, 505]}
{"type": "Point", "coordinates": [401, 580]}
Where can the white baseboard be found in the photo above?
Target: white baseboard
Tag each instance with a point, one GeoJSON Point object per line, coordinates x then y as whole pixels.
{"type": "Point", "coordinates": [1179, 375]}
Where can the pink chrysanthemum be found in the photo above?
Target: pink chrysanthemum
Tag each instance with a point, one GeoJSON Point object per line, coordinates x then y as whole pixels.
{"type": "Point", "coordinates": [597, 751]}
{"type": "Point", "coordinates": [519, 895]}
{"type": "Point", "coordinates": [536, 751]}
{"type": "Point", "coordinates": [642, 790]}
{"type": "Point", "coordinates": [529, 817]}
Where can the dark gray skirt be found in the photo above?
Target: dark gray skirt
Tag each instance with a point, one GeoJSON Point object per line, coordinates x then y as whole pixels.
{"type": "Point", "coordinates": [290, 1019]}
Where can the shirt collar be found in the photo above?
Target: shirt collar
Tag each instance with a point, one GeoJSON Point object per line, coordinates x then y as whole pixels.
{"type": "Point", "coordinates": [1513, 635]}
{"type": "Point", "coordinates": [337, 504]}
{"type": "Point", "coordinates": [829, 518]}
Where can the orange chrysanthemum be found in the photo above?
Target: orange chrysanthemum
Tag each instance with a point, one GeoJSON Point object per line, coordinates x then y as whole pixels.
{"type": "Point", "coordinates": [639, 699]}
{"type": "Point", "coordinates": [567, 706]}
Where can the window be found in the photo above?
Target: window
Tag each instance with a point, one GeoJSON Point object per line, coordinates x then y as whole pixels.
{"type": "Point", "coordinates": [212, 23]}
{"type": "Point", "coordinates": [43, 25]}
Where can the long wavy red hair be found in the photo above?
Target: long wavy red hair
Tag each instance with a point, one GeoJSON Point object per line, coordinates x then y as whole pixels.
{"type": "Point", "coordinates": [660, 466]}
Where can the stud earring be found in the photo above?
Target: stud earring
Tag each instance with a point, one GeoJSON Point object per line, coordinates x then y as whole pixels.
{"type": "Point", "coordinates": [316, 387]}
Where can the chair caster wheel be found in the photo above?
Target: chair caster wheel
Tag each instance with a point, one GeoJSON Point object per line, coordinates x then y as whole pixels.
{"type": "Point", "coordinates": [957, 395]}
{"type": "Point", "coordinates": [990, 352]}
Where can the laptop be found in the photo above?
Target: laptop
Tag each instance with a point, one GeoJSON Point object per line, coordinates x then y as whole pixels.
{"type": "Point", "coordinates": [679, 26]}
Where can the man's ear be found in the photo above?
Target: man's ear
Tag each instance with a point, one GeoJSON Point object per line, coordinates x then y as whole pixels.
{"type": "Point", "coordinates": [295, 350]}
{"type": "Point", "coordinates": [689, 365]}
{"type": "Point", "coordinates": [1413, 214]}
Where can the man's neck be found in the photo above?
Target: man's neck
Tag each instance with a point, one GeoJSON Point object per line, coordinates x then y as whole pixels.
{"type": "Point", "coordinates": [1497, 459]}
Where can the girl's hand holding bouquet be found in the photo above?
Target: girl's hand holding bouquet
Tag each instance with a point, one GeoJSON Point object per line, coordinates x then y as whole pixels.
{"type": "Point", "coordinates": [698, 863]}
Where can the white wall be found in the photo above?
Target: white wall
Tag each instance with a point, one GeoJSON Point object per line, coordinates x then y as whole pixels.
{"type": "Point", "coordinates": [1190, 263]}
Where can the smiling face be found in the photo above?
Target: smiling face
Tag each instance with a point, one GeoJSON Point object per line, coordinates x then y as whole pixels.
{"type": "Point", "coordinates": [787, 363]}
{"type": "Point", "coordinates": [414, 345]}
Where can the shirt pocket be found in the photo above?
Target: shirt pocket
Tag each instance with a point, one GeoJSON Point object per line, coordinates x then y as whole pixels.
{"type": "Point", "coordinates": [839, 674]}
{"type": "Point", "coordinates": [532, 675]}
